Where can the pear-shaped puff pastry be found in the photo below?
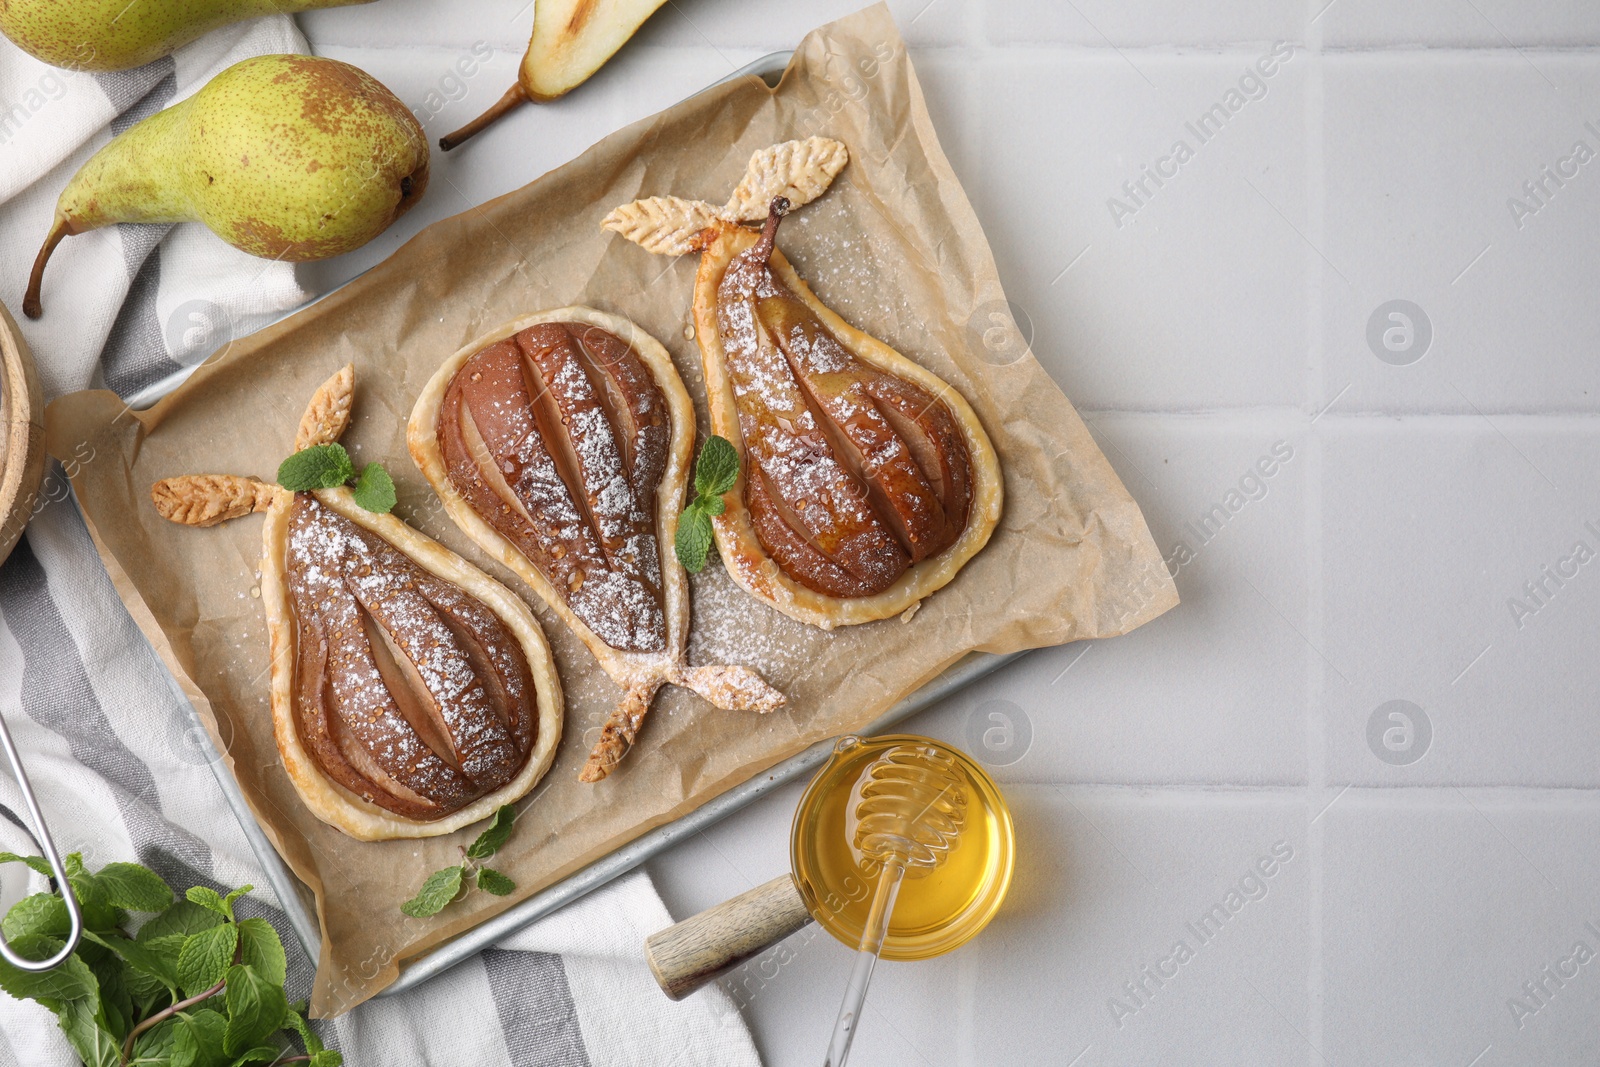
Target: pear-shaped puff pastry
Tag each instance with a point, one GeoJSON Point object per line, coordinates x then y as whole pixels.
{"type": "Point", "coordinates": [561, 443]}
{"type": "Point", "coordinates": [412, 694]}
{"type": "Point", "coordinates": [865, 481]}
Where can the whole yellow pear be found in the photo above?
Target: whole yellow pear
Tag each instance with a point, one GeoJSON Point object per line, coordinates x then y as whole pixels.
{"type": "Point", "coordinates": [102, 35]}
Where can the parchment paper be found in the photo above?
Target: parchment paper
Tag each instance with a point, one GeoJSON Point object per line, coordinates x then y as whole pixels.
{"type": "Point", "coordinates": [894, 247]}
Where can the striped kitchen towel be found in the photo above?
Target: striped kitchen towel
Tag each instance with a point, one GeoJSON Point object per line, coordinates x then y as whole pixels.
{"type": "Point", "coordinates": [120, 772]}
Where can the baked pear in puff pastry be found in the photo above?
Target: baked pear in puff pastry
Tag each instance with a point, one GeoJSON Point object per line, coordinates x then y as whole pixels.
{"type": "Point", "coordinates": [865, 481]}
{"type": "Point", "coordinates": [412, 694]}
{"type": "Point", "coordinates": [561, 443]}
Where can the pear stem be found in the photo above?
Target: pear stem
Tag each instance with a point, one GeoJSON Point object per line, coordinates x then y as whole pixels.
{"type": "Point", "coordinates": [30, 300]}
{"type": "Point", "coordinates": [515, 97]}
{"type": "Point", "coordinates": [769, 229]}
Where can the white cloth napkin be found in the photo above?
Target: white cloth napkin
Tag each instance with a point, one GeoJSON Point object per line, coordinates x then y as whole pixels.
{"type": "Point", "coordinates": [119, 770]}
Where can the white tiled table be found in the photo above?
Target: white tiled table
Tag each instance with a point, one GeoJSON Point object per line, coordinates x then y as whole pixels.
{"type": "Point", "coordinates": [1226, 316]}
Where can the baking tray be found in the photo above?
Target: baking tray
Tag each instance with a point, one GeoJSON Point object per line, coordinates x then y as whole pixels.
{"type": "Point", "coordinates": [294, 896]}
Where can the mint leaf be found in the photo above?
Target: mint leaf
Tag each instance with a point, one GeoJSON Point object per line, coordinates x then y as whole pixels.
{"type": "Point", "coordinates": [375, 489]}
{"type": "Point", "coordinates": [693, 540]}
{"type": "Point", "coordinates": [42, 913]}
{"type": "Point", "coordinates": [293, 1020]}
{"type": "Point", "coordinates": [717, 469]}
{"type": "Point", "coordinates": [205, 957]}
{"type": "Point", "coordinates": [154, 1046]}
{"type": "Point", "coordinates": [492, 881]}
{"type": "Point", "coordinates": [147, 992]}
{"type": "Point", "coordinates": [198, 1039]}
{"type": "Point", "coordinates": [229, 900]}
{"type": "Point", "coordinates": [317, 467]}
{"type": "Point", "coordinates": [128, 885]}
{"type": "Point", "coordinates": [38, 863]}
{"type": "Point", "coordinates": [210, 899]}
{"type": "Point", "coordinates": [158, 958]}
{"type": "Point", "coordinates": [714, 474]}
{"type": "Point", "coordinates": [490, 841]}
{"type": "Point", "coordinates": [115, 1010]}
{"type": "Point", "coordinates": [70, 981]}
{"type": "Point", "coordinates": [184, 917]}
{"type": "Point", "coordinates": [85, 1030]}
{"type": "Point", "coordinates": [259, 1054]}
{"type": "Point", "coordinates": [84, 885]}
{"type": "Point", "coordinates": [327, 1058]}
{"type": "Point", "coordinates": [440, 889]}
{"type": "Point", "coordinates": [261, 948]}
{"type": "Point", "coordinates": [255, 1008]}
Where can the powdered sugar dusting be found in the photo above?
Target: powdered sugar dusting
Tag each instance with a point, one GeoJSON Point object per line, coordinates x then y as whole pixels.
{"type": "Point", "coordinates": [555, 476]}
{"type": "Point", "coordinates": [340, 576]}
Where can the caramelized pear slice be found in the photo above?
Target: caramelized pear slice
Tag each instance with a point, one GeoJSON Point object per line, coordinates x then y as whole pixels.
{"type": "Point", "coordinates": [865, 470]}
{"type": "Point", "coordinates": [558, 437]}
{"type": "Point", "coordinates": [411, 694]}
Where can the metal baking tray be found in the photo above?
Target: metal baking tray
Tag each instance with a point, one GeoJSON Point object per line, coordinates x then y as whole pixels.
{"type": "Point", "coordinates": [294, 896]}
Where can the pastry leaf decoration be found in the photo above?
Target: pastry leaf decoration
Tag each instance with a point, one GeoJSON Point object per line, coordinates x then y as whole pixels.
{"type": "Point", "coordinates": [330, 466]}
{"type": "Point", "coordinates": [444, 886]}
{"type": "Point", "coordinates": [714, 474]}
{"type": "Point", "coordinates": [798, 171]}
{"type": "Point", "coordinates": [665, 225]}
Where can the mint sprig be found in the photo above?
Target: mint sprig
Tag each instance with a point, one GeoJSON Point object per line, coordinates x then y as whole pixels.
{"type": "Point", "coordinates": [330, 466]}
{"type": "Point", "coordinates": [196, 986]}
{"type": "Point", "coordinates": [445, 885]}
{"type": "Point", "coordinates": [714, 475]}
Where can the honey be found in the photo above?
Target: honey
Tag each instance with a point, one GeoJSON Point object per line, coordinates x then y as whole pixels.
{"type": "Point", "coordinates": [936, 910]}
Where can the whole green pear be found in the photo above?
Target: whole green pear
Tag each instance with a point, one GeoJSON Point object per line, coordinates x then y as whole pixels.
{"type": "Point", "coordinates": [286, 157]}
{"type": "Point", "coordinates": [100, 35]}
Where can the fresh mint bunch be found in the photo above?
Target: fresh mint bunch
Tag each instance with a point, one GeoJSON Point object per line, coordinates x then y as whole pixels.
{"type": "Point", "coordinates": [714, 474]}
{"type": "Point", "coordinates": [196, 987]}
{"type": "Point", "coordinates": [330, 466]}
{"type": "Point", "coordinates": [444, 886]}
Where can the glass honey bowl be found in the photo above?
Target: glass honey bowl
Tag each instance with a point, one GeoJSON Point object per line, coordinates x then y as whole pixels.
{"type": "Point", "coordinates": [936, 911]}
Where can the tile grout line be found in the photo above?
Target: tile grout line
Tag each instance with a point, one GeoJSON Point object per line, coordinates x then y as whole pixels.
{"type": "Point", "coordinates": [1316, 733]}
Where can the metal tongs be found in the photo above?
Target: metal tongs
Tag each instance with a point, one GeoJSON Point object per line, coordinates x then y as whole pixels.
{"type": "Point", "coordinates": [74, 915]}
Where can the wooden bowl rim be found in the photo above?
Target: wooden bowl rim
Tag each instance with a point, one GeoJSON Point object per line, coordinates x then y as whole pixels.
{"type": "Point", "coordinates": [22, 402]}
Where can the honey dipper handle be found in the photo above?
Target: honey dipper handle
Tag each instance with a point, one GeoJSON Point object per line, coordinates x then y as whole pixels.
{"type": "Point", "coordinates": [702, 947]}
